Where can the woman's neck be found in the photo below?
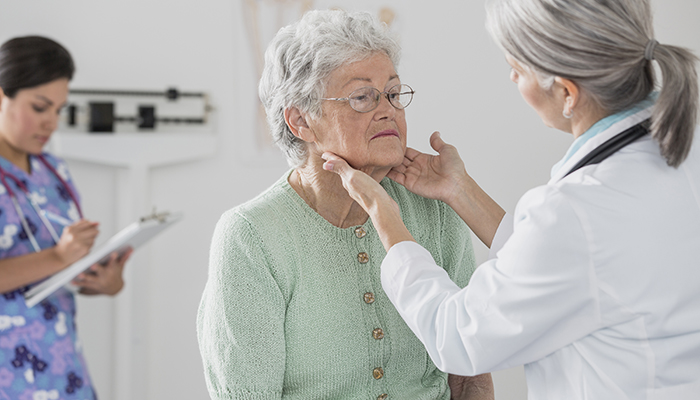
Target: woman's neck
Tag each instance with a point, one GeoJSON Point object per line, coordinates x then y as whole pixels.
{"type": "Point", "coordinates": [586, 118]}
{"type": "Point", "coordinates": [17, 157]}
{"type": "Point", "coordinates": [323, 191]}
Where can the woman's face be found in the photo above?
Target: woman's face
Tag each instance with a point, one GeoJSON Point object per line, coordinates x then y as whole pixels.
{"type": "Point", "coordinates": [28, 120]}
{"type": "Point", "coordinates": [375, 139]}
{"type": "Point", "coordinates": [542, 101]}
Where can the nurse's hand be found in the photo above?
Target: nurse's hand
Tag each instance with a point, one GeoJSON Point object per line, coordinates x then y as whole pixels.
{"type": "Point", "coordinates": [76, 241]}
{"type": "Point", "coordinates": [437, 177]}
{"type": "Point", "coordinates": [104, 278]}
{"type": "Point", "coordinates": [372, 197]}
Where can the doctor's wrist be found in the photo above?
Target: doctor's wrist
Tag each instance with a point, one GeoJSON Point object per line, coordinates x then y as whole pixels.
{"type": "Point", "coordinates": [461, 189]}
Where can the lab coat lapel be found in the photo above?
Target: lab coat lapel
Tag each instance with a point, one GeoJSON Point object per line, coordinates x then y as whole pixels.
{"type": "Point", "coordinates": [599, 139]}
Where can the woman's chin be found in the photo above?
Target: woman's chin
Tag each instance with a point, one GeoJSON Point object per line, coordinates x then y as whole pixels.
{"type": "Point", "coordinates": [385, 163]}
{"type": "Point", "coordinates": [386, 159]}
{"type": "Point", "coordinates": [397, 156]}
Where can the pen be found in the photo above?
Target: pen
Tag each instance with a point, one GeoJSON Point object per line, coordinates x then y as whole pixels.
{"type": "Point", "coordinates": [56, 218]}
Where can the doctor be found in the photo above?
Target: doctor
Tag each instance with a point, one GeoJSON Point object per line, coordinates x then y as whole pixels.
{"type": "Point", "coordinates": [595, 281]}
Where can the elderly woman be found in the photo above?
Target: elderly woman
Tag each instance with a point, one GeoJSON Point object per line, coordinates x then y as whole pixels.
{"type": "Point", "coordinates": [596, 287]}
{"type": "Point", "coordinates": [293, 308]}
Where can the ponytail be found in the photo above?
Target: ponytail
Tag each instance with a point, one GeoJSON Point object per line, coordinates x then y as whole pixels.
{"type": "Point", "coordinates": [676, 110]}
{"type": "Point", "coordinates": [604, 47]}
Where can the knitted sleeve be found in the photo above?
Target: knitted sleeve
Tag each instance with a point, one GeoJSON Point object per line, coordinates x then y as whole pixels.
{"type": "Point", "coordinates": [240, 323]}
{"type": "Point", "coordinates": [457, 252]}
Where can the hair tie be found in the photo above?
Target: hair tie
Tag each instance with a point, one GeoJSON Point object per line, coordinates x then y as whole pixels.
{"type": "Point", "coordinates": [649, 51]}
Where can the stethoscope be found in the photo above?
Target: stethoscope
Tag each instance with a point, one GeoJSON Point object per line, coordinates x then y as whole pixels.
{"type": "Point", "coordinates": [30, 199]}
{"type": "Point", "coordinates": [612, 145]}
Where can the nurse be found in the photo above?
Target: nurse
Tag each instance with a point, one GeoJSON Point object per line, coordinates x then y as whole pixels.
{"type": "Point", "coordinates": [595, 280]}
{"type": "Point", "coordinates": [39, 354]}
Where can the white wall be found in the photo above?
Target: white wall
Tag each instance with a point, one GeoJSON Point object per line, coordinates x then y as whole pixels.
{"type": "Point", "coordinates": [462, 86]}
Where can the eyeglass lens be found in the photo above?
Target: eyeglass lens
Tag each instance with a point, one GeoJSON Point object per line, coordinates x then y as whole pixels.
{"type": "Point", "coordinates": [368, 98]}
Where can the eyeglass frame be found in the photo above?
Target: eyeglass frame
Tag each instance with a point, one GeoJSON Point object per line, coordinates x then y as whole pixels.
{"type": "Point", "coordinates": [386, 93]}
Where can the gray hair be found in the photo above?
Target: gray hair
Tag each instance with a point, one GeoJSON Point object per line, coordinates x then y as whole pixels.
{"type": "Point", "coordinates": [302, 56]}
{"type": "Point", "coordinates": [601, 46]}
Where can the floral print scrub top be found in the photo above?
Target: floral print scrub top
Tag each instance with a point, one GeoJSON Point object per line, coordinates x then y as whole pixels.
{"type": "Point", "coordinates": [40, 357]}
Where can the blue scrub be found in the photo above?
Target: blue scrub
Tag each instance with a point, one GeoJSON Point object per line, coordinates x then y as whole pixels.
{"type": "Point", "coordinates": [39, 355]}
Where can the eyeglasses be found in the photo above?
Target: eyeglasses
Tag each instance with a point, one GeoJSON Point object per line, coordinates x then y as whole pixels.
{"type": "Point", "coordinates": [367, 99]}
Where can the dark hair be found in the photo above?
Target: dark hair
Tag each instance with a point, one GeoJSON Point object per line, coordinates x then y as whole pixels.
{"type": "Point", "coordinates": [30, 61]}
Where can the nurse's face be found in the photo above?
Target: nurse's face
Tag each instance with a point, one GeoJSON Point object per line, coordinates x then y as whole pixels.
{"type": "Point", "coordinates": [28, 119]}
{"type": "Point", "coordinates": [544, 102]}
{"type": "Point", "coordinates": [369, 140]}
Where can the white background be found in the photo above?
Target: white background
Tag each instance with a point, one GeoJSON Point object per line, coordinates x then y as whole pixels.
{"type": "Point", "coordinates": [462, 89]}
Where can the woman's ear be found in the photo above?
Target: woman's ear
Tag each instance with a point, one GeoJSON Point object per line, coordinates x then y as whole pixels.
{"type": "Point", "coordinates": [296, 121]}
{"type": "Point", "coordinates": [570, 94]}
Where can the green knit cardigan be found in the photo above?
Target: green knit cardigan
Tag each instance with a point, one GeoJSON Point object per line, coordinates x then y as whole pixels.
{"type": "Point", "coordinates": [294, 309]}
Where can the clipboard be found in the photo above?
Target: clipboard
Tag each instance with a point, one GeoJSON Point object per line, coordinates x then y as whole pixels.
{"type": "Point", "coordinates": [134, 235]}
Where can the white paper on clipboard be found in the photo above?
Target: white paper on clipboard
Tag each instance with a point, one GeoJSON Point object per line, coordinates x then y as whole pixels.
{"type": "Point", "coordinates": [133, 236]}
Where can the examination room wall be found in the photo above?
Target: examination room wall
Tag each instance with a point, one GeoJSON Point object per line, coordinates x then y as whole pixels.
{"type": "Point", "coordinates": [462, 89]}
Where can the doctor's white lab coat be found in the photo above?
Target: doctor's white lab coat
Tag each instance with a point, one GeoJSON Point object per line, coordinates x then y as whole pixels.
{"type": "Point", "coordinates": [596, 291]}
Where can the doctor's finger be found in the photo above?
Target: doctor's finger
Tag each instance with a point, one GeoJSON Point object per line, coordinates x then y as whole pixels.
{"type": "Point", "coordinates": [437, 143]}
{"type": "Point", "coordinates": [399, 169]}
{"type": "Point", "coordinates": [397, 177]}
{"type": "Point", "coordinates": [335, 164]}
{"type": "Point", "coordinates": [347, 173]}
{"type": "Point", "coordinates": [410, 155]}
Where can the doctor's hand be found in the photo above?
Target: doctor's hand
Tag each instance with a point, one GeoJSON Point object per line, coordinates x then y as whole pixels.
{"type": "Point", "coordinates": [104, 278]}
{"type": "Point", "coordinates": [443, 177]}
{"type": "Point", "coordinates": [76, 241]}
{"type": "Point", "coordinates": [372, 197]}
{"type": "Point", "coordinates": [436, 177]}
{"type": "Point", "coordinates": [366, 191]}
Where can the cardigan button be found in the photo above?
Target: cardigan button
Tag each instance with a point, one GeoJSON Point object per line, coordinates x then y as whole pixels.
{"type": "Point", "coordinates": [363, 258]}
{"type": "Point", "coordinates": [360, 232]}
{"type": "Point", "coordinates": [378, 334]}
{"type": "Point", "coordinates": [369, 297]}
{"type": "Point", "coordinates": [378, 373]}
{"type": "Point", "coordinates": [382, 396]}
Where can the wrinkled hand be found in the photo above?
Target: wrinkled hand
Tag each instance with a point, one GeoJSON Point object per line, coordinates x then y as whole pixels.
{"type": "Point", "coordinates": [104, 279]}
{"type": "Point", "coordinates": [76, 241]}
{"type": "Point", "coordinates": [435, 177]}
{"type": "Point", "coordinates": [366, 191]}
{"type": "Point", "coordinates": [478, 387]}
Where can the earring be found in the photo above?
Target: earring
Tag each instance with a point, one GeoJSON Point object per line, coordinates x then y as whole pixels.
{"type": "Point", "coordinates": [569, 115]}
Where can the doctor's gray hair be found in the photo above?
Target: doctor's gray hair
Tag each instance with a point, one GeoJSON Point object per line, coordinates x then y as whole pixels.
{"type": "Point", "coordinates": [601, 46]}
{"type": "Point", "coordinates": [302, 56]}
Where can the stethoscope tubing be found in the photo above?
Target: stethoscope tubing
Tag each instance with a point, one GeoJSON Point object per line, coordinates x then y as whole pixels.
{"type": "Point", "coordinates": [23, 221]}
{"type": "Point", "coordinates": [30, 199]}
